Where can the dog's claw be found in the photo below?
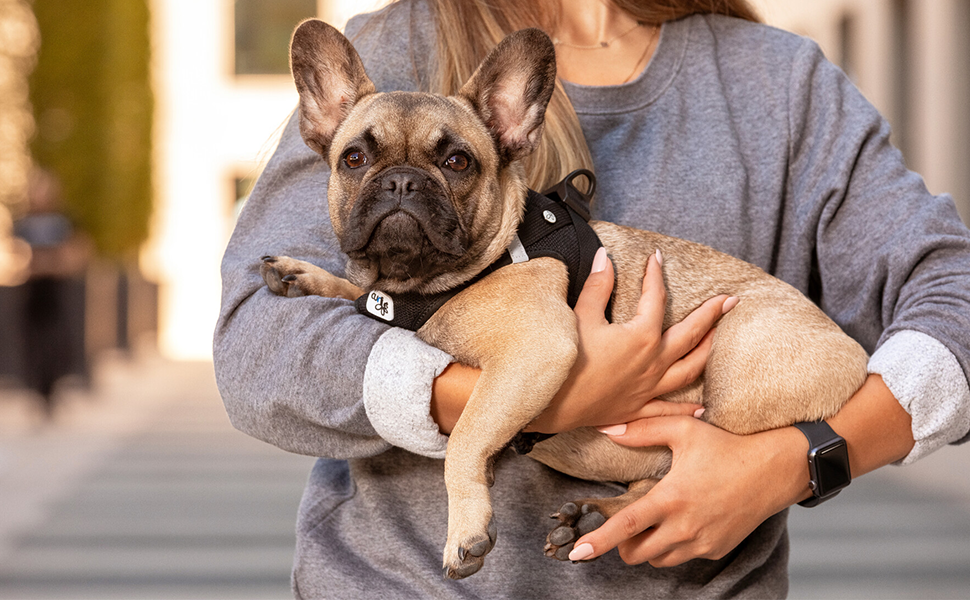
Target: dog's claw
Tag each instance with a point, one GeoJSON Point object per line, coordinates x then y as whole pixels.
{"type": "Point", "coordinates": [288, 278]}
{"type": "Point", "coordinates": [268, 259]}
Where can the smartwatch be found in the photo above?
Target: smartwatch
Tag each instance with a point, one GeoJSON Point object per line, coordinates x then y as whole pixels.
{"type": "Point", "coordinates": [828, 462]}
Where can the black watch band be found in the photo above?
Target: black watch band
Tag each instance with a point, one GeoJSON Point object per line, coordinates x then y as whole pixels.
{"type": "Point", "coordinates": [828, 462]}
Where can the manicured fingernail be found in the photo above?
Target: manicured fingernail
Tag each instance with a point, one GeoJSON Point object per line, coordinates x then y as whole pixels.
{"type": "Point", "coordinates": [729, 304]}
{"type": "Point", "coordinates": [660, 258]}
{"type": "Point", "coordinates": [613, 429]}
{"type": "Point", "coordinates": [699, 413]}
{"type": "Point", "coordinates": [581, 552]}
{"type": "Point", "coordinates": [599, 261]}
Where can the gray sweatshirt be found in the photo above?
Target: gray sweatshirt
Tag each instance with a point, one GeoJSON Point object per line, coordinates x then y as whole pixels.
{"type": "Point", "coordinates": [737, 135]}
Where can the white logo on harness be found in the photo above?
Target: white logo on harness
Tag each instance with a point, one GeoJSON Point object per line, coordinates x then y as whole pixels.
{"type": "Point", "coordinates": [380, 305]}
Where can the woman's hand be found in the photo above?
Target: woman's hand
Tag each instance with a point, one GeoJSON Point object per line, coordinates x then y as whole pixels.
{"type": "Point", "coordinates": [623, 367]}
{"type": "Point", "coordinates": [720, 488]}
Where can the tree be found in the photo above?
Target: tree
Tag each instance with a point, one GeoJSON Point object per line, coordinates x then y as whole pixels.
{"type": "Point", "coordinates": [93, 105]}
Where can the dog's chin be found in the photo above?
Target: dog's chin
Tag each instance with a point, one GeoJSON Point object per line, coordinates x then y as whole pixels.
{"type": "Point", "coordinates": [400, 257]}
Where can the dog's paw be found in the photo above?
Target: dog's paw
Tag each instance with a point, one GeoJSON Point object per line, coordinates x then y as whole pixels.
{"type": "Point", "coordinates": [282, 275]}
{"type": "Point", "coordinates": [289, 277]}
{"type": "Point", "coordinates": [470, 554]}
{"type": "Point", "coordinates": [575, 521]}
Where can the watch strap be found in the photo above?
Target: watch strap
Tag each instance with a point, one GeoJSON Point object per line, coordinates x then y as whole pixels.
{"type": "Point", "coordinates": [817, 432]}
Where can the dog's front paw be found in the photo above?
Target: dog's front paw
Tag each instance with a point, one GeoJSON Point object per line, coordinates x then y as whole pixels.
{"type": "Point", "coordinates": [467, 556]}
{"type": "Point", "coordinates": [575, 521]}
{"type": "Point", "coordinates": [282, 275]}
{"type": "Point", "coordinates": [293, 278]}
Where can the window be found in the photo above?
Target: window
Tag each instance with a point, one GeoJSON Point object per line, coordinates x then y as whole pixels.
{"type": "Point", "coordinates": [262, 34]}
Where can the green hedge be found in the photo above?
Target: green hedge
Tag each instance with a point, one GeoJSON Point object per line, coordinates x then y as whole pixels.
{"type": "Point", "coordinates": [92, 101]}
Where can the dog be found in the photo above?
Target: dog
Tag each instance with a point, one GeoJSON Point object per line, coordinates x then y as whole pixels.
{"type": "Point", "coordinates": [427, 191]}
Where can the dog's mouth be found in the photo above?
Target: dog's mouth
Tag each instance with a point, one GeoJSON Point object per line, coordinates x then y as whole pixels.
{"type": "Point", "coordinates": [404, 223]}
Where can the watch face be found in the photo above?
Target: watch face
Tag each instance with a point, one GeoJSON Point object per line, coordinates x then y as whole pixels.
{"type": "Point", "coordinates": [832, 468]}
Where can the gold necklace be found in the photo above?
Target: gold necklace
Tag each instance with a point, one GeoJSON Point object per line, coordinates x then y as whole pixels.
{"type": "Point", "coordinates": [600, 45]}
{"type": "Point", "coordinates": [635, 71]}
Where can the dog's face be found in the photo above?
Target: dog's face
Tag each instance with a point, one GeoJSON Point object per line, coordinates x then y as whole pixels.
{"type": "Point", "coordinates": [425, 190]}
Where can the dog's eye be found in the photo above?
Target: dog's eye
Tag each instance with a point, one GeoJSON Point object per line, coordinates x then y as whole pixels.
{"type": "Point", "coordinates": [457, 162]}
{"type": "Point", "coordinates": [355, 159]}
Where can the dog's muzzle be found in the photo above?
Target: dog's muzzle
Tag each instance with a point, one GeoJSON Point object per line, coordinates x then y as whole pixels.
{"type": "Point", "coordinates": [404, 221]}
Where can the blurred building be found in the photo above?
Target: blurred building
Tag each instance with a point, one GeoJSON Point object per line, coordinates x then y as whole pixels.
{"type": "Point", "coordinates": [911, 58]}
{"type": "Point", "coordinates": [223, 92]}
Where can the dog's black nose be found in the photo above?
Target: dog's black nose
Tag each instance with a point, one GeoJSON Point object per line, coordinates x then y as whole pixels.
{"type": "Point", "coordinates": [401, 184]}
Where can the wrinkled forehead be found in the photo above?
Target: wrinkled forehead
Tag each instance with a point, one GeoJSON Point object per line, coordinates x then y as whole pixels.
{"type": "Point", "coordinates": [399, 120]}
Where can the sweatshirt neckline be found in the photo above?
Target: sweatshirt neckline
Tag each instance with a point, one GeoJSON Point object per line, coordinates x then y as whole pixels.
{"type": "Point", "coordinates": [655, 78]}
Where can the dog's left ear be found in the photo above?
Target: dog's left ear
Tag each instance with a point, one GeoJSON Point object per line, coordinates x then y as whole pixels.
{"type": "Point", "coordinates": [511, 89]}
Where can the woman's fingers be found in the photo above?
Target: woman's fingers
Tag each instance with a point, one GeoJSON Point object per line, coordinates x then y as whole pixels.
{"type": "Point", "coordinates": [688, 368]}
{"type": "Point", "coordinates": [656, 408]}
{"type": "Point", "coordinates": [681, 337]}
{"type": "Point", "coordinates": [630, 522]}
{"type": "Point", "coordinates": [653, 297]}
{"type": "Point", "coordinates": [635, 519]}
{"type": "Point", "coordinates": [630, 528]}
{"type": "Point", "coordinates": [592, 301]}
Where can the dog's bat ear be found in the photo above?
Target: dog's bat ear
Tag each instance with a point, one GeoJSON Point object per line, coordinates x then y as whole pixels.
{"type": "Point", "coordinates": [330, 78]}
{"type": "Point", "coordinates": [511, 89]}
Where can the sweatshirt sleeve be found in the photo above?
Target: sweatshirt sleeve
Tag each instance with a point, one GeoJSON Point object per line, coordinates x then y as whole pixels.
{"type": "Point", "coordinates": [891, 261]}
{"type": "Point", "coordinates": [291, 371]}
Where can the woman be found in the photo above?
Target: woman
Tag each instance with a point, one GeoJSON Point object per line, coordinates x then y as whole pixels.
{"type": "Point", "coordinates": [700, 123]}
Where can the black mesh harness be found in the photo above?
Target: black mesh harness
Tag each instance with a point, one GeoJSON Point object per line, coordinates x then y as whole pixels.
{"type": "Point", "coordinates": [555, 224]}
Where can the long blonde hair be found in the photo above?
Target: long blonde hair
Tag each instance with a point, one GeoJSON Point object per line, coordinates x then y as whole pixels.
{"type": "Point", "coordinates": [469, 29]}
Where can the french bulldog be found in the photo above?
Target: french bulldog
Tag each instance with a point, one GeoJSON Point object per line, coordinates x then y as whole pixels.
{"type": "Point", "coordinates": [426, 191]}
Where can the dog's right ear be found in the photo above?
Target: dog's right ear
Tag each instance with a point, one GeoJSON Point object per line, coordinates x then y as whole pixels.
{"type": "Point", "coordinates": [330, 78]}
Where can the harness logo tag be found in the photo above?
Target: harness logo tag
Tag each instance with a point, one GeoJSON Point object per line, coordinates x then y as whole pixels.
{"type": "Point", "coordinates": [380, 305]}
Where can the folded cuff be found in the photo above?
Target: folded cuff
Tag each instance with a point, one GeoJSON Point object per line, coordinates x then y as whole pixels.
{"type": "Point", "coordinates": [397, 392]}
{"type": "Point", "coordinates": [928, 382]}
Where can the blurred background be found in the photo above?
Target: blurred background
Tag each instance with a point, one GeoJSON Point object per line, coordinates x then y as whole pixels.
{"type": "Point", "coordinates": [130, 134]}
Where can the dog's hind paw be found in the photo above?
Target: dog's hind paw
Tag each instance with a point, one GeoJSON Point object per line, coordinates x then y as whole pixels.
{"type": "Point", "coordinates": [575, 521]}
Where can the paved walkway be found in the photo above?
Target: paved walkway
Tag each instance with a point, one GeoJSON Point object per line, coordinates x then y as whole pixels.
{"type": "Point", "coordinates": [143, 490]}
